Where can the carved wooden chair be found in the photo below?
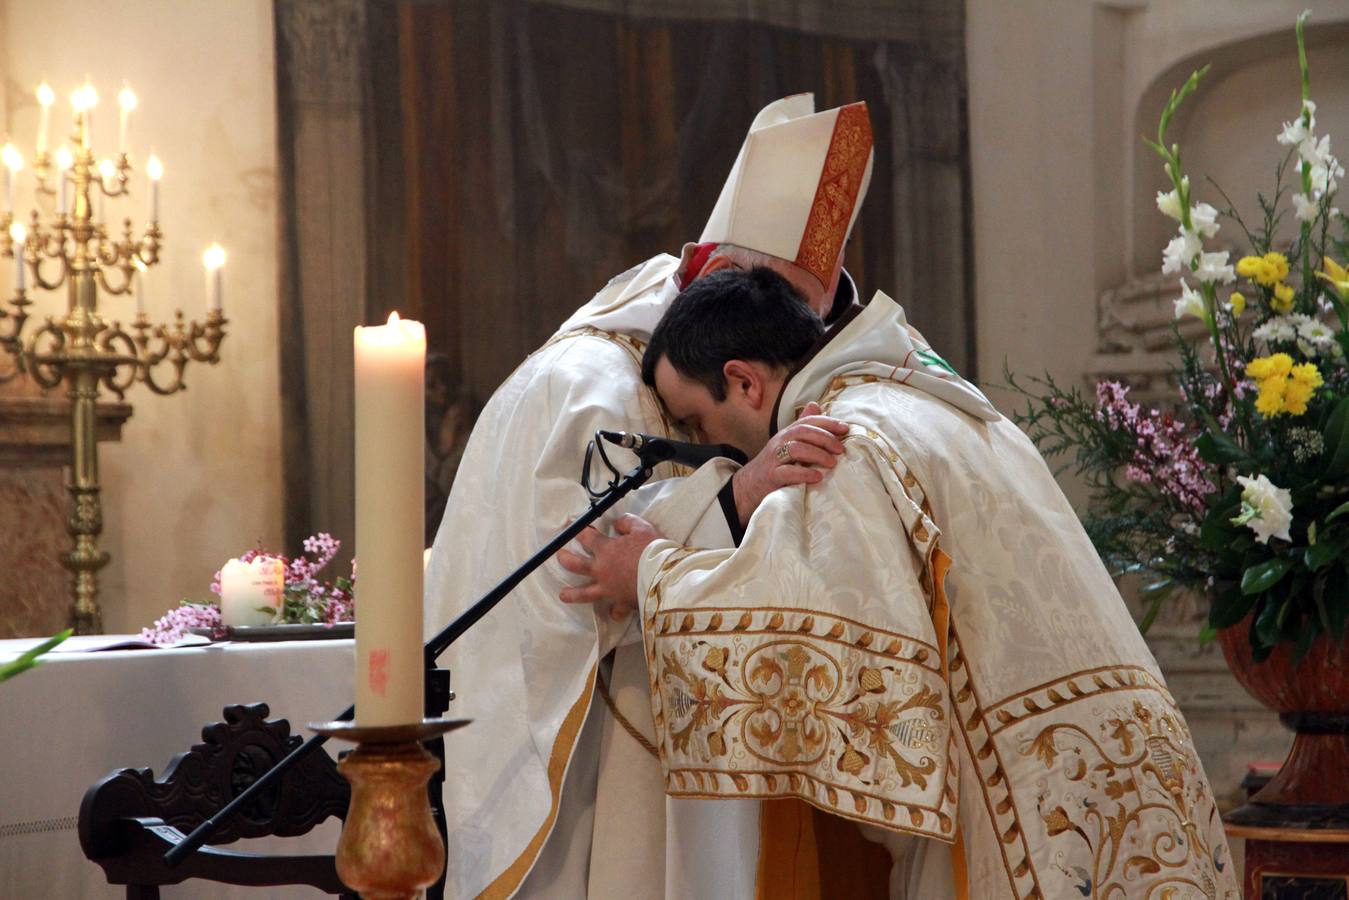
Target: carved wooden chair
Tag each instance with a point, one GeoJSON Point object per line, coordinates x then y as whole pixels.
{"type": "Point", "coordinates": [129, 819]}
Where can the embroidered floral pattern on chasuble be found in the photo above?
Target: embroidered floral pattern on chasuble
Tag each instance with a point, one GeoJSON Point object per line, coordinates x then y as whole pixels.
{"type": "Point", "coordinates": [764, 700]}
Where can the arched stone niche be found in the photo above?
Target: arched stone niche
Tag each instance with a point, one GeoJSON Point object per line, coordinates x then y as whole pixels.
{"type": "Point", "coordinates": [1227, 128]}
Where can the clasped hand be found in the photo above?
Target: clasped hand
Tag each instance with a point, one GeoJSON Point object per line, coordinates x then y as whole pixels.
{"type": "Point", "coordinates": [795, 455]}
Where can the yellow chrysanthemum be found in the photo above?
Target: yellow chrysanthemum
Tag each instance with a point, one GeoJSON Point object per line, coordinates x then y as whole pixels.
{"type": "Point", "coordinates": [1269, 403]}
{"type": "Point", "coordinates": [1278, 266]}
{"type": "Point", "coordinates": [1282, 302]}
{"type": "Point", "coordinates": [1336, 275]}
{"type": "Point", "coordinates": [1267, 270]}
{"type": "Point", "coordinates": [1248, 266]}
{"type": "Point", "coordinates": [1238, 303]}
{"type": "Point", "coordinates": [1277, 365]}
{"type": "Point", "coordinates": [1283, 387]}
{"type": "Point", "coordinates": [1308, 374]}
{"type": "Point", "coordinates": [1295, 397]}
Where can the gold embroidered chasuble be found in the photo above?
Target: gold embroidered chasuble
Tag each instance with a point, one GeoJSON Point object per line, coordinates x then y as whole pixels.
{"type": "Point", "coordinates": [817, 661]}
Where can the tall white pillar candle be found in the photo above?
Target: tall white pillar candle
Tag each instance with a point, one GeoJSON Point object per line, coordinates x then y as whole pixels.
{"type": "Point", "coordinates": [251, 592]}
{"type": "Point", "coordinates": [390, 439]}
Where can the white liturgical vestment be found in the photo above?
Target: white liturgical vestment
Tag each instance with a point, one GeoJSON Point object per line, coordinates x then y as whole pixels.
{"type": "Point", "coordinates": [926, 642]}
{"type": "Point", "coordinates": [526, 672]}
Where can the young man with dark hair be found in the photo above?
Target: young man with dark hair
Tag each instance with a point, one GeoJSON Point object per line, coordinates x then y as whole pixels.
{"type": "Point", "coordinates": [924, 641]}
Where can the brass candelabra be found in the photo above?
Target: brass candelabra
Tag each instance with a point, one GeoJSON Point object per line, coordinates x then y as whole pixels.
{"type": "Point", "coordinates": [76, 248]}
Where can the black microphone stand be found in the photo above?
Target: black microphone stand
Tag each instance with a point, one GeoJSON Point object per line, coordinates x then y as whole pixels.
{"type": "Point", "coordinates": [438, 694]}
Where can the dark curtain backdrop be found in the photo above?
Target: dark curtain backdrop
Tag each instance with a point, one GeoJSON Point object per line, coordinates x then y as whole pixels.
{"type": "Point", "coordinates": [485, 167]}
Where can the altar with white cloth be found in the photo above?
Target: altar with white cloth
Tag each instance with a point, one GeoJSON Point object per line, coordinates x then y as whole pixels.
{"type": "Point", "coordinates": [81, 715]}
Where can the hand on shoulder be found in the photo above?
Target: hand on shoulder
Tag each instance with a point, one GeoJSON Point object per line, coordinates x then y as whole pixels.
{"type": "Point", "coordinates": [798, 454]}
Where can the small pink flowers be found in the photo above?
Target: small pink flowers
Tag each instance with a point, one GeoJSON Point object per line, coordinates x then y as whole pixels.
{"type": "Point", "coordinates": [1164, 454]}
{"type": "Point", "coordinates": [173, 626]}
{"type": "Point", "coordinates": [307, 599]}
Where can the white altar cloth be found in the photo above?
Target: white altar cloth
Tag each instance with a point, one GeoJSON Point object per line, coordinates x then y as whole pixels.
{"type": "Point", "coordinates": [78, 716]}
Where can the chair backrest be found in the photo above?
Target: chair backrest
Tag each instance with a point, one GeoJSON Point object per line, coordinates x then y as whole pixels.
{"type": "Point", "coordinates": [129, 818]}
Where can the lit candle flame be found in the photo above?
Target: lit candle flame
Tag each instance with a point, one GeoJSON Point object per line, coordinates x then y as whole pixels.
{"type": "Point", "coordinates": [214, 257]}
{"type": "Point", "coordinates": [84, 98]}
{"type": "Point", "coordinates": [154, 168]}
{"type": "Point", "coordinates": [18, 234]}
{"type": "Point", "coordinates": [393, 318]}
{"type": "Point", "coordinates": [64, 158]}
{"type": "Point", "coordinates": [107, 170]}
{"type": "Point", "coordinates": [127, 99]}
{"type": "Point", "coordinates": [11, 157]}
{"type": "Point", "coordinates": [45, 95]}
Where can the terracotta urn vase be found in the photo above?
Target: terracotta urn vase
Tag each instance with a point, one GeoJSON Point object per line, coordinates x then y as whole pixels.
{"type": "Point", "coordinates": [1311, 790]}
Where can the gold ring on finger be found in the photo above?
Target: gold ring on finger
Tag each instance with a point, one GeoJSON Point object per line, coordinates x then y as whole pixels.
{"type": "Point", "coordinates": [784, 453]}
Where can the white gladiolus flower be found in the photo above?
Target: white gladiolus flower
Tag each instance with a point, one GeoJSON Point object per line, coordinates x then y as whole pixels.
{"type": "Point", "coordinates": [1265, 508]}
{"type": "Point", "coordinates": [1325, 174]}
{"type": "Point", "coordinates": [1313, 151]}
{"type": "Point", "coordinates": [1305, 208]}
{"type": "Point", "coordinates": [1169, 203]}
{"type": "Point", "coordinates": [1204, 218]}
{"type": "Point", "coordinates": [1180, 253]}
{"type": "Point", "coordinates": [1190, 303]}
{"type": "Point", "coordinates": [1294, 132]}
{"type": "Point", "coordinates": [1214, 267]}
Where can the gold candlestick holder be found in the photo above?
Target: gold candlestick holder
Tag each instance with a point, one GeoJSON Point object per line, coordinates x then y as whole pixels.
{"type": "Point", "coordinates": [77, 249]}
{"type": "Point", "coordinates": [390, 848]}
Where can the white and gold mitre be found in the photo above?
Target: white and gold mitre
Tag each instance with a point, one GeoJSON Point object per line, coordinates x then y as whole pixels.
{"type": "Point", "coordinates": [797, 185]}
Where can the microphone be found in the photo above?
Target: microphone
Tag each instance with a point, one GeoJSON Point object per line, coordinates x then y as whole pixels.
{"type": "Point", "coordinates": [652, 450]}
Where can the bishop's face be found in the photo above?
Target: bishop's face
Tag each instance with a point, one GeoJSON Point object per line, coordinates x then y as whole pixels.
{"type": "Point", "coordinates": [741, 420]}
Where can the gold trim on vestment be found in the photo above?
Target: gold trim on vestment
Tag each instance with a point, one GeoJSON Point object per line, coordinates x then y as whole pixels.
{"type": "Point", "coordinates": [509, 881]}
{"type": "Point", "coordinates": [845, 715]}
{"type": "Point", "coordinates": [987, 763]}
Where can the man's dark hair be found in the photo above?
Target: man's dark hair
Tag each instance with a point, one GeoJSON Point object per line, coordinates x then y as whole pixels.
{"type": "Point", "coordinates": [754, 315]}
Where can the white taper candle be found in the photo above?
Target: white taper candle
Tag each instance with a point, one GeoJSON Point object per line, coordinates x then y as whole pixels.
{"type": "Point", "coordinates": [214, 260]}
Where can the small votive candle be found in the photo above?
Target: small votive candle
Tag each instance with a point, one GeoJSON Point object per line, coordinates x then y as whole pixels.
{"type": "Point", "coordinates": [251, 592]}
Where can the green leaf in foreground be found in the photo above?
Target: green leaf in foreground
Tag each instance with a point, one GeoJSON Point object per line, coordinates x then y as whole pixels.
{"type": "Point", "coordinates": [30, 657]}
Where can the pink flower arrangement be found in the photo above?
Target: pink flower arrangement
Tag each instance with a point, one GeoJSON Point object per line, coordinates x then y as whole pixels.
{"type": "Point", "coordinates": [308, 600]}
{"type": "Point", "coordinates": [1164, 454]}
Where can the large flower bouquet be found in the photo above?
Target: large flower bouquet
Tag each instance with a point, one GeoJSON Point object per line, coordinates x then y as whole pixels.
{"type": "Point", "coordinates": [1241, 491]}
{"type": "Point", "coordinates": [307, 600]}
